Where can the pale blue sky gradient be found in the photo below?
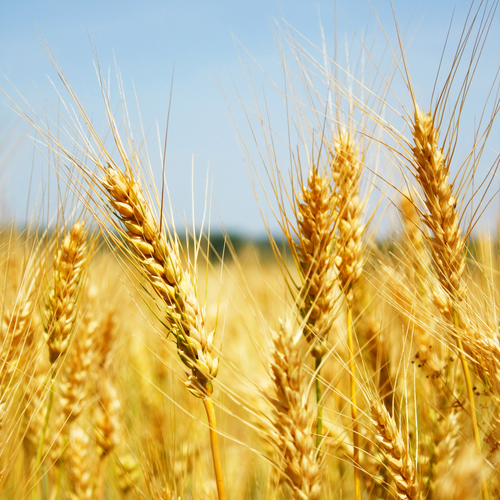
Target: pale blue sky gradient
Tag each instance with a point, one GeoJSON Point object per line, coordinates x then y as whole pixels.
{"type": "Point", "coordinates": [149, 38]}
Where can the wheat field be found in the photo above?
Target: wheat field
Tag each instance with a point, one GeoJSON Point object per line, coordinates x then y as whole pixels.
{"type": "Point", "coordinates": [144, 359]}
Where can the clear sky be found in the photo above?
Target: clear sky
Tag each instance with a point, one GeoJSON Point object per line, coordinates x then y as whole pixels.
{"type": "Point", "coordinates": [202, 40]}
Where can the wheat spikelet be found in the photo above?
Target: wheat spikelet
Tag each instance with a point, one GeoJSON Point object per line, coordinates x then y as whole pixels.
{"type": "Point", "coordinates": [294, 420]}
{"type": "Point", "coordinates": [432, 172]}
{"type": "Point", "coordinates": [389, 439]}
{"type": "Point", "coordinates": [159, 261]}
{"type": "Point", "coordinates": [17, 336]}
{"type": "Point", "coordinates": [128, 473]}
{"type": "Point", "coordinates": [346, 172]}
{"type": "Point", "coordinates": [314, 248]}
{"type": "Point", "coordinates": [414, 245]}
{"type": "Point", "coordinates": [61, 309]}
{"type": "Point", "coordinates": [18, 326]}
{"type": "Point", "coordinates": [105, 339]}
{"type": "Point", "coordinates": [447, 244]}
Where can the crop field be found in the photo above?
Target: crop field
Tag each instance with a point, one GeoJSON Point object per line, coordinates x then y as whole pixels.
{"type": "Point", "coordinates": [355, 355]}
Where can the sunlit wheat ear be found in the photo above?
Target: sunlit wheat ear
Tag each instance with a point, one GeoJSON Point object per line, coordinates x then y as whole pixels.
{"type": "Point", "coordinates": [129, 471]}
{"type": "Point", "coordinates": [160, 263]}
{"type": "Point", "coordinates": [32, 420]}
{"type": "Point", "coordinates": [346, 172]}
{"type": "Point", "coordinates": [447, 245]}
{"type": "Point", "coordinates": [61, 307]}
{"type": "Point", "coordinates": [432, 171]}
{"type": "Point", "coordinates": [17, 334]}
{"type": "Point", "coordinates": [18, 325]}
{"type": "Point", "coordinates": [293, 418]}
{"type": "Point", "coordinates": [315, 220]}
{"type": "Point", "coordinates": [389, 439]}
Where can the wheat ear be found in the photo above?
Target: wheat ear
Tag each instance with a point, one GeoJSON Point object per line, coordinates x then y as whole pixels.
{"type": "Point", "coordinates": [314, 248]}
{"type": "Point", "coordinates": [75, 385]}
{"type": "Point", "coordinates": [463, 478]}
{"type": "Point", "coordinates": [417, 271]}
{"type": "Point", "coordinates": [315, 221]}
{"type": "Point", "coordinates": [160, 263]}
{"type": "Point", "coordinates": [294, 420]}
{"type": "Point", "coordinates": [61, 310]}
{"type": "Point", "coordinates": [61, 307]}
{"type": "Point", "coordinates": [389, 438]}
{"type": "Point", "coordinates": [447, 244]}
{"type": "Point", "coordinates": [346, 171]}
{"type": "Point", "coordinates": [17, 336]}
{"type": "Point", "coordinates": [446, 448]}
{"type": "Point", "coordinates": [107, 426]}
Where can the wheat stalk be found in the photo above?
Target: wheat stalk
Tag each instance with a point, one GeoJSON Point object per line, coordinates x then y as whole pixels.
{"type": "Point", "coordinates": [159, 262]}
{"type": "Point", "coordinates": [346, 172]}
{"type": "Point", "coordinates": [447, 244]}
{"type": "Point", "coordinates": [61, 310]}
{"type": "Point", "coordinates": [315, 229]}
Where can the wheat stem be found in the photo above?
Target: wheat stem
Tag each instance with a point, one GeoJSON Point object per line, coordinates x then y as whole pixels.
{"type": "Point", "coordinates": [354, 408]}
{"type": "Point", "coordinates": [209, 407]}
{"type": "Point", "coordinates": [319, 420]}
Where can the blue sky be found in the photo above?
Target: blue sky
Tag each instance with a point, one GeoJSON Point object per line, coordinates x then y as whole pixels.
{"type": "Point", "coordinates": [202, 40]}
